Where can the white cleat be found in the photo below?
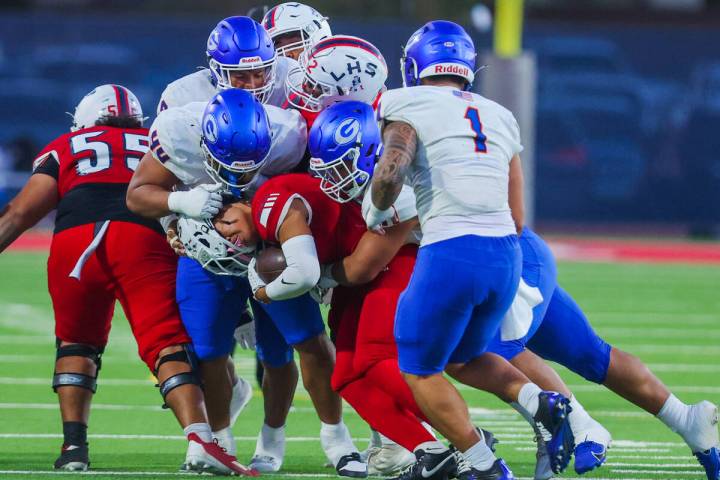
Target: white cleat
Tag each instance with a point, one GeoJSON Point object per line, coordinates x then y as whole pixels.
{"type": "Point", "coordinates": [241, 395]}
{"type": "Point", "coordinates": [389, 460]}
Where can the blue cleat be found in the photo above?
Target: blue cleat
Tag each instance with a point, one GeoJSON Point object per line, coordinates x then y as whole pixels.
{"type": "Point", "coordinates": [710, 460]}
{"type": "Point", "coordinates": [589, 456]}
{"type": "Point", "coordinates": [552, 423]}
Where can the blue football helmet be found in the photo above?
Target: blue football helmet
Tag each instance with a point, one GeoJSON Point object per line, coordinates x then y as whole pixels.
{"type": "Point", "coordinates": [241, 44]}
{"type": "Point", "coordinates": [438, 48]}
{"type": "Point", "coordinates": [344, 143]}
{"type": "Point", "coordinates": [236, 138]}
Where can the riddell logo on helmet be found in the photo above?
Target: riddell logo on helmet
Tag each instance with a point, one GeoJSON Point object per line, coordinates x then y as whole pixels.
{"type": "Point", "coordinates": [251, 60]}
{"type": "Point", "coordinates": [452, 70]}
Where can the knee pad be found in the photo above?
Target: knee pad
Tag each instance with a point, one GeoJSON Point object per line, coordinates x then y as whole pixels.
{"type": "Point", "coordinates": [72, 379]}
{"type": "Point", "coordinates": [186, 355]}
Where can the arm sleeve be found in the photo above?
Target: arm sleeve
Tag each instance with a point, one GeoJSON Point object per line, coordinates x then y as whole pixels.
{"type": "Point", "coordinates": [302, 272]}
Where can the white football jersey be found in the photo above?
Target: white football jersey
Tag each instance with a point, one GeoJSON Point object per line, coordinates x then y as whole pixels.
{"type": "Point", "coordinates": [199, 87]}
{"type": "Point", "coordinates": [404, 209]}
{"type": "Point", "coordinates": [461, 169]}
{"type": "Point", "coordinates": [175, 142]}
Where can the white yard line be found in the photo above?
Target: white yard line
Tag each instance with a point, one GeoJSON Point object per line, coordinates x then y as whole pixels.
{"type": "Point", "coordinates": [95, 406]}
{"type": "Point", "coordinates": [697, 472]}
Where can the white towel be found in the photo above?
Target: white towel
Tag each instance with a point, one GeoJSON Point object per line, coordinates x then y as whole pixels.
{"type": "Point", "coordinates": [77, 271]}
{"type": "Point", "coordinates": [519, 317]}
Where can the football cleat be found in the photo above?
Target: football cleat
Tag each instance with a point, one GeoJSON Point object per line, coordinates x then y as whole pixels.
{"type": "Point", "coordinates": [498, 471]}
{"type": "Point", "coordinates": [388, 460]}
{"type": "Point", "coordinates": [241, 395]}
{"type": "Point", "coordinates": [489, 438]}
{"type": "Point", "coordinates": [431, 466]}
{"type": "Point", "coordinates": [73, 458]}
{"type": "Point", "coordinates": [710, 460]}
{"type": "Point", "coordinates": [589, 456]}
{"type": "Point", "coordinates": [351, 465]}
{"type": "Point", "coordinates": [551, 421]}
{"type": "Point", "coordinates": [543, 470]}
{"type": "Point", "coordinates": [208, 457]}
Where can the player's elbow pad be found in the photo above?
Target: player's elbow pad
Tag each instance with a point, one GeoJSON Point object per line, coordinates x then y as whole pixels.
{"type": "Point", "coordinates": [302, 272]}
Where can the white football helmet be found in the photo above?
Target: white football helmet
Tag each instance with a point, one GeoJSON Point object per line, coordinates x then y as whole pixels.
{"type": "Point", "coordinates": [336, 69]}
{"type": "Point", "coordinates": [217, 255]}
{"type": "Point", "coordinates": [299, 18]}
{"type": "Point", "coordinates": [106, 101]}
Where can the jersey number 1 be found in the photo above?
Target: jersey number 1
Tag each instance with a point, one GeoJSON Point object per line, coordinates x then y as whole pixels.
{"type": "Point", "coordinates": [480, 139]}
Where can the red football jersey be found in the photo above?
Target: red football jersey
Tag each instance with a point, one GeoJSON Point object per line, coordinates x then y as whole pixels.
{"type": "Point", "coordinates": [93, 167]}
{"type": "Point", "coordinates": [95, 155]}
{"type": "Point", "coordinates": [336, 227]}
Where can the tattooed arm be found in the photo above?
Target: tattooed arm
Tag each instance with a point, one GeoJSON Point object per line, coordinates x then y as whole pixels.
{"type": "Point", "coordinates": [400, 140]}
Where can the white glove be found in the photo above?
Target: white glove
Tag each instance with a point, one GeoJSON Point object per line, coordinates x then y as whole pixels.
{"type": "Point", "coordinates": [256, 283]}
{"type": "Point", "coordinates": [374, 217]}
{"type": "Point", "coordinates": [203, 201]}
{"type": "Point", "coordinates": [245, 335]}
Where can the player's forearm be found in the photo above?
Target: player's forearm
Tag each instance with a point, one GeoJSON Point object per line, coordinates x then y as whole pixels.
{"type": "Point", "coordinates": [400, 140]}
{"type": "Point", "coordinates": [516, 193]}
{"type": "Point", "coordinates": [148, 200]}
{"type": "Point", "coordinates": [10, 228]}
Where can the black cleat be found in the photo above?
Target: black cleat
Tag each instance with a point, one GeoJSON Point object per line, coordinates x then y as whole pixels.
{"type": "Point", "coordinates": [551, 421]}
{"type": "Point", "coordinates": [73, 458]}
{"type": "Point", "coordinates": [352, 465]}
{"type": "Point", "coordinates": [431, 466]}
{"type": "Point", "coordinates": [489, 438]}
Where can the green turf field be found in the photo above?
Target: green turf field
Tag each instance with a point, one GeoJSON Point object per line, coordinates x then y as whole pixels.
{"type": "Point", "coordinates": [668, 315]}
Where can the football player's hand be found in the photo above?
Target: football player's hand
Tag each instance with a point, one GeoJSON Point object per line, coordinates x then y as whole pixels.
{"type": "Point", "coordinates": [374, 217]}
{"type": "Point", "coordinates": [203, 201]}
{"type": "Point", "coordinates": [327, 281]}
{"type": "Point", "coordinates": [173, 239]}
{"type": "Point", "coordinates": [245, 335]}
{"type": "Point", "coordinates": [256, 283]}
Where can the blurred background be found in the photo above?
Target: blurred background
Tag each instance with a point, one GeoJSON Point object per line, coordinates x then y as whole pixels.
{"type": "Point", "coordinates": [628, 91]}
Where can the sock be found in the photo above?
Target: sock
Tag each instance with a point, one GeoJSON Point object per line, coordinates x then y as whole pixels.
{"type": "Point", "coordinates": [579, 420]}
{"type": "Point", "coordinates": [336, 441]}
{"type": "Point", "coordinates": [384, 414]}
{"type": "Point", "coordinates": [272, 435]}
{"type": "Point", "coordinates": [74, 433]}
{"type": "Point", "coordinates": [674, 414]}
{"type": "Point", "coordinates": [226, 440]}
{"type": "Point", "coordinates": [202, 430]}
{"type": "Point", "coordinates": [528, 398]}
{"type": "Point", "coordinates": [432, 446]}
{"type": "Point", "coordinates": [480, 456]}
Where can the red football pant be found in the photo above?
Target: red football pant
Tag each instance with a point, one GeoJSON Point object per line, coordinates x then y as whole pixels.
{"type": "Point", "coordinates": [134, 265]}
{"type": "Point", "coordinates": [366, 372]}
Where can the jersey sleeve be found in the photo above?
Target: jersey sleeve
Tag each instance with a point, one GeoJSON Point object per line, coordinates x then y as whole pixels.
{"type": "Point", "coordinates": [48, 160]}
{"type": "Point", "coordinates": [175, 143]}
{"type": "Point", "coordinates": [396, 106]}
{"type": "Point", "coordinates": [289, 141]}
{"type": "Point", "coordinates": [270, 206]}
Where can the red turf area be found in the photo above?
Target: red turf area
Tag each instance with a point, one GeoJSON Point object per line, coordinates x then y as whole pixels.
{"type": "Point", "coordinates": [565, 248]}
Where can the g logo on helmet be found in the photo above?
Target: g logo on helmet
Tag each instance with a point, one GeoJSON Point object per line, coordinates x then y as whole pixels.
{"type": "Point", "coordinates": [211, 129]}
{"type": "Point", "coordinates": [347, 131]}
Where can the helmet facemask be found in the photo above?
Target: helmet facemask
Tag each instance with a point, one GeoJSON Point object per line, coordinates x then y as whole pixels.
{"type": "Point", "coordinates": [236, 178]}
{"type": "Point", "coordinates": [342, 179]}
{"type": "Point", "coordinates": [223, 76]}
{"type": "Point", "coordinates": [214, 253]}
{"type": "Point", "coordinates": [306, 93]}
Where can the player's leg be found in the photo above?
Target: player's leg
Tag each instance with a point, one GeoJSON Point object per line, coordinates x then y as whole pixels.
{"type": "Point", "coordinates": [83, 311]}
{"type": "Point", "coordinates": [148, 299]}
{"type": "Point", "coordinates": [432, 318]}
{"type": "Point", "coordinates": [301, 325]}
{"type": "Point", "coordinates": [560, 338]}
{"type": "Point", "coordinates": [278, 384]}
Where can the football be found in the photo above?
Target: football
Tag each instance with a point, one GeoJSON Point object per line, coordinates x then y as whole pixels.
{"type": "Point", "coordinates": [270, 263]}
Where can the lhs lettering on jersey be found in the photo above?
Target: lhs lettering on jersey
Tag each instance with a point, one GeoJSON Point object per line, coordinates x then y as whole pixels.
{"type": "Point", "coordinates": [267, 208]}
